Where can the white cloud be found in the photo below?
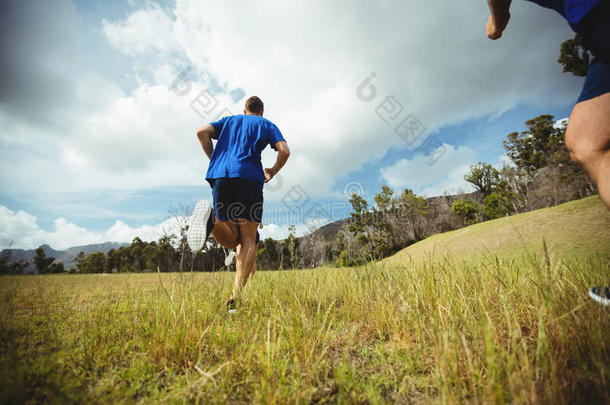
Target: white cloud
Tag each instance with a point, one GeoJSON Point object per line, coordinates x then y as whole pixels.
{"type": "Point", "coordinates": [279, 232]}
{"type": "Point", "coordinates": [308, 75]}
{"type": "Point", "coordinates": [561, 122]}
{"type": "Point", "coordinates": [274, 231]}
{"type": "Point", "coordinates": [140, 141]}
{"type": "Point", "coordinates": [147, 30]}
{"type": "Point", "coordinates": [445, 175]}
{"type": "Point", "coordinates": [503, 160]}
{"type": "Point", "coordinates": [21, 230]}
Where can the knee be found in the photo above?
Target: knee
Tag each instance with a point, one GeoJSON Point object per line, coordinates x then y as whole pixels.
{"type": "Point", "coordinates": [588, 132]}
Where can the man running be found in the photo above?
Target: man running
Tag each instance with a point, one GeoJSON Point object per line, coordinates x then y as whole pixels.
{"type": "Point", "coordinates": [588, 131]}
{"type": "Point", "coordinates": [237, 176]}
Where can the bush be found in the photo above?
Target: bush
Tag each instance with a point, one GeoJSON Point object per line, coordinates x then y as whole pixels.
{"type": "Point", "coordinates": [466, 209]}
{"type": "Point", "coordinates": [496, 205]}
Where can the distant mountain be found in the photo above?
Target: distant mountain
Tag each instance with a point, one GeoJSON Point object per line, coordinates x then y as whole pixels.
{"type": "Point", "coordinates": [329, 231]}
{"type": "Point", "coordinates": [70, 254]}
{"type": "Point", "coordinates": [67, 257]}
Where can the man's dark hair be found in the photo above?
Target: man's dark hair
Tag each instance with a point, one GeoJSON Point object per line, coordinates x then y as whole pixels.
{"type": "Point", "coordinates": [254, 105]}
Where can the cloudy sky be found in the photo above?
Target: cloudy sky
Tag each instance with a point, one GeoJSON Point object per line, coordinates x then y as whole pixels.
{"type": "Point", "coordinates": [100, 101]}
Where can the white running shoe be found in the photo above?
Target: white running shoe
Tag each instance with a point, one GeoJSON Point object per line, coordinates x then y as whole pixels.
{"type": "Point", "coordinates": [200, 225]}
{"type": "Point", "coordinates": [601, 295]}
{"type": "Point", "coordinates": [230, 257]}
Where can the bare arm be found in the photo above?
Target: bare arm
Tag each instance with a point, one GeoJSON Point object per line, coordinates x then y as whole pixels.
{"type": "Point", "coordinates": [498, 20]}
{"type": "Point", "coordinates": [283, 153]}
{"type": "Point", "coordinates": [205, 135]}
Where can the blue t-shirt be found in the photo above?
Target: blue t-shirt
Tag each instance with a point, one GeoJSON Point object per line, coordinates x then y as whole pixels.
{"type": "Point", "coordinates": [241, 139]}
{"type": "Point", "coordinates": [571, 10]}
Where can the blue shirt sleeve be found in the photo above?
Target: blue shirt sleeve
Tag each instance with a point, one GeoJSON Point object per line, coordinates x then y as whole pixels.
{"type": "Point", "coordinates": [274, 135]}
{"type": "Point", "coordinates": [218, 125]}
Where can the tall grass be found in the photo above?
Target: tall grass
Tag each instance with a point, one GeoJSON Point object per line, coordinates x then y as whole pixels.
{"type": "Point", "coordinates": [440, 331]}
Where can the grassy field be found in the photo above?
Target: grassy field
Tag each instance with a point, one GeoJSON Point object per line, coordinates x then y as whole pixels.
{"type": "Point", "coordinates": [516, 328]}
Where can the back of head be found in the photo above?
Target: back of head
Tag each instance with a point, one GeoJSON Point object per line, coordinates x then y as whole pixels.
{"type": "Point", "coordinates": [254, 105]}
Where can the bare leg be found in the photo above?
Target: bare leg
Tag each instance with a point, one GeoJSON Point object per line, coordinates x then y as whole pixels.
{"type": "Point", "coordinates": [237, 250]}
{"type": "Point", "coordinates": [588, 139]}
{"type": "Point", "coordinates": [226, 233]}
{"type": "Point", "coordinates": [246, 256]}
{"type": "Point", "coordinates": [253, 268]}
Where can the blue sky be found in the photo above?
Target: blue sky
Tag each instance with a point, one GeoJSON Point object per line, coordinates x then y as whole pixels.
{"type": "Point", "coordinates": [101, 101]}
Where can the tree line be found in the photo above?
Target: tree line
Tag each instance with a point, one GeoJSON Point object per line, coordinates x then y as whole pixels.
{"type": "Point", "coordinates": [170, 253]}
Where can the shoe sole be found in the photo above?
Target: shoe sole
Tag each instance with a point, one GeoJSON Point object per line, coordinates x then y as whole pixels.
{"type": "Point", "coordinates": [197, 232]}
{"type": "Point", "coordinates": [601, 300]}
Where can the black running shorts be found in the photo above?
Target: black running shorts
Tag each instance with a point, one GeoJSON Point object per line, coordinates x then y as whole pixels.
{"type": "Point", "coordinates": [237, 198]}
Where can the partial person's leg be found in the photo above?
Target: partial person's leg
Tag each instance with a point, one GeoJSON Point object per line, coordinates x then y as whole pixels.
{"type": "Point", "coordinates": [238, 249]}
{"type": "Point", "coordinates": [246, 257]}
{"type": "Point", "coordinates": [588, 132]}
{"type": "Point", "coordinates": [588, 140]}
{"type": "Point", "coordinates": [226, 233]}
{"type": "Point", "coordinates": [253, 268]}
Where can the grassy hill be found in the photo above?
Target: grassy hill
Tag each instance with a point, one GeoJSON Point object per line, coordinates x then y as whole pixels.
{"type": "Point", "coordinates": [576, 229]}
